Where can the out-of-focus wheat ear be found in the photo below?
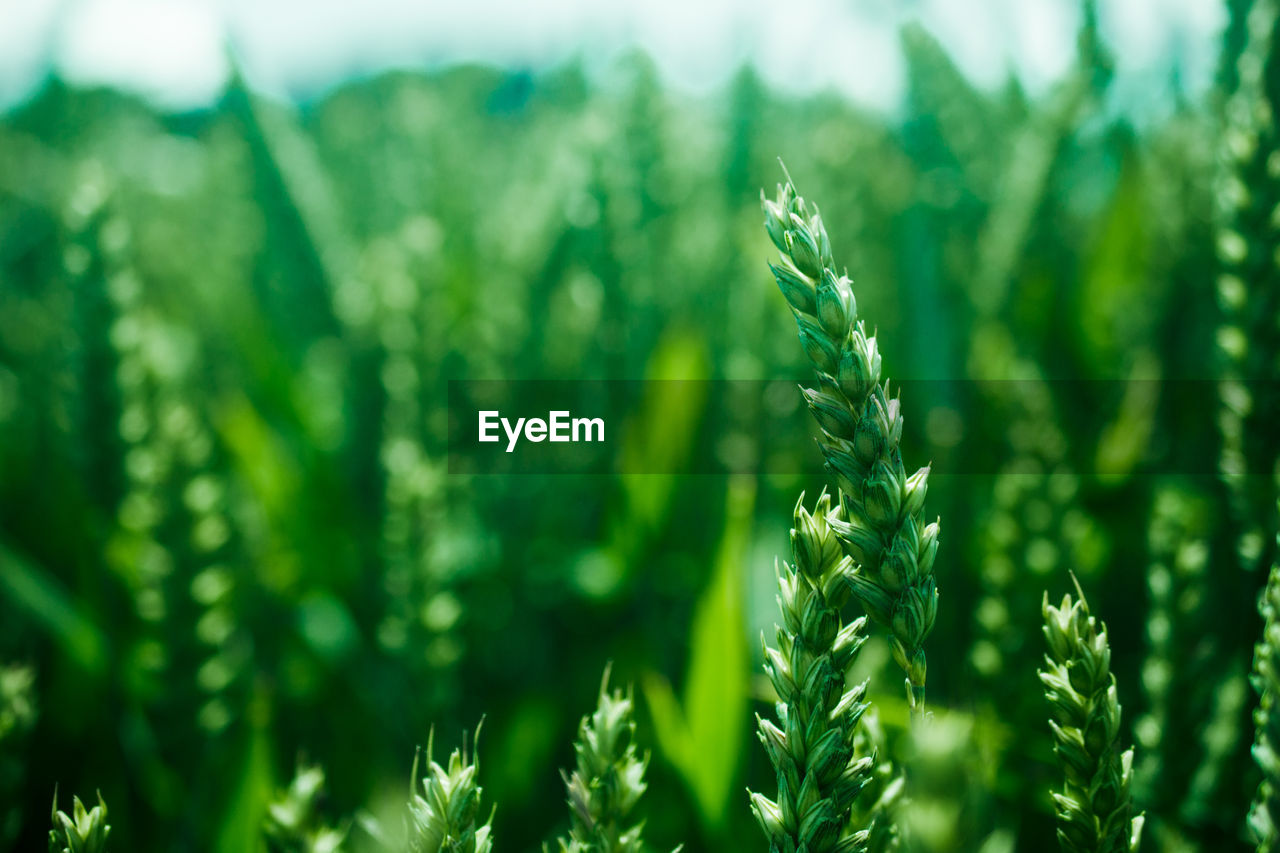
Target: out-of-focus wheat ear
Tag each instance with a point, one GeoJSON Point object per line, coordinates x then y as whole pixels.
{"type": "Point", "coordinates": [608, 779]}
{"type": "Point", "coordinates": [294, 822]}
{"type": "Point", "coordinates": [1264, 816]}
{"type": "Point", "coordinates": [1248, 287]}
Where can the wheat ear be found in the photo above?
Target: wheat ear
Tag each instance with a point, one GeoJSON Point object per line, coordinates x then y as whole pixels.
{"type": "Point", "coordinates": [294, 823]}
{"type": "Point", "coordinates": [1095, 813]}
{"type": "Point", "coordinates": [812, 745]}
{"type": "Point", "coordinates": [444, 818]}
{"type": "Point", "coordinates": [608, 779]}
{"type": "Point", "coordinates": [883, 528]}
{"type": "Point", "coordinates": [1264, 816]}
{"type": "Point", "coordinates": [83, 831]}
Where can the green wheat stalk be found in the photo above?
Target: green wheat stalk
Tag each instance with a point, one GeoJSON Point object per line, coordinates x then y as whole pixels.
{"type": "Point", "coordinates": [812, 745]}
{"type": "Point", "coordinates": [1264, 815]}
{"type": "Point", "coordinates": [83, 831]}
{"type": "Point", "coordinates": [294, 824]}
{"type": "Point", "coordinates": [444, 817]}
{"type": "Point", "coordinates": [1095, 813]}
{"type": "Point", "coordinates": [174, 531]}
{"type": "Point", "coordinates": [608, 779]}
{"type": "Point", "coordinates": [421, 612]}
{"type": "Point", "coordinates": [883, 528]}
{"type": "Point", "coordinates": [1249, 336]}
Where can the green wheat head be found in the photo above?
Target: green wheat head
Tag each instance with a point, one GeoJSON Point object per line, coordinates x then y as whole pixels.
{"type": "Point", "coordinates": [812, 745]}
{"type": "Point", "coordinates": [1095, 814]}
{"type": "Point", "coordinates": [294, 823]}
{"type": "Point", "coordinates": [1265, 813]}
{"type": "Point", "coordinates": [883, 528]}
{"type": "Point", "coordinates": [83, 831]}
{"type": "Point", "coordinates": [608, 780]}
{"type": "Point", "coordinates": [444, 817]}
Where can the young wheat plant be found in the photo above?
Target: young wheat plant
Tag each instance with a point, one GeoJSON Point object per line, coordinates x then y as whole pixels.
{"type": "Point", "coordinates": [83, 831]}
{"type": "Point", "coordinates": [443, 818]}
{"type": "Point", "coordinates": [883, 528]}
{"type": "Point", "coordinates": [1095, 814]}
{"type": "Point", "coordinates": [608, 780]}
{"type": "Point", "coordinates": [812, 745]}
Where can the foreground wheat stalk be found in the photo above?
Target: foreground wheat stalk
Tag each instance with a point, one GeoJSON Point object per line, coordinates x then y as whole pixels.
{"type": "Point", "coordinates": [608, 780]}
{"type": "Point", "coordinates": [1095, 814]}
{"type": "Point", "coordinates": [812, 745]}
{"type": "Point", "coordinates": [883, 528]}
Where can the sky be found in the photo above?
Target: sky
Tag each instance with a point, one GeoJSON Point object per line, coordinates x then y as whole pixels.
{"type": "Point", "coordinates": [175, 53]}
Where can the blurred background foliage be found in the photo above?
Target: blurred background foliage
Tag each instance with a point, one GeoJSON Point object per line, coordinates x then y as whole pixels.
{"type": "Point", "coordinates": [228, 532]}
